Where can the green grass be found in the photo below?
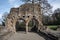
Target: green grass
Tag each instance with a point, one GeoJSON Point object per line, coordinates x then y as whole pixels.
{"type": "Point", "coordinates": [53, 27]}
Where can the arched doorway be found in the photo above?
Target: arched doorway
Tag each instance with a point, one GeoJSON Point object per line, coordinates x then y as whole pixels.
{"type": "Point", "coordinates": [20, 25]}
{"type": "Point", "coordinates": [33, 25]}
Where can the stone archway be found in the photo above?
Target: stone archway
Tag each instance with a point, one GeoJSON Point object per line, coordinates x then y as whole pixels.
{"type": "Point", "coordinates": [33, 25]}
{"type": "Point", "coordinates": [24, 11]}
{"type": "Point", "coordinates": [20, 25]}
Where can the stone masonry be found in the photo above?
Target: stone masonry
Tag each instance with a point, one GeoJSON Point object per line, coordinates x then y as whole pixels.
{"type": "Point", "coordinates": [26, 13]}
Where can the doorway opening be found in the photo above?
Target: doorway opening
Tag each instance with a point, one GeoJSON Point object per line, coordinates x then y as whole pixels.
{"type": "Point", "coordinates": [33, 25]}
{"type": "Point", "coordinates": [20, 25]}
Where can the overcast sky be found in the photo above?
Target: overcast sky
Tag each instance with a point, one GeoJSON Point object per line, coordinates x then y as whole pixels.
{"type": "Point", "coordinates": [6, 5]}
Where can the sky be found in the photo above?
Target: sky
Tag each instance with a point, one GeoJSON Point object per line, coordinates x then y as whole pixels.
{"type": "Point", "coordinates": [54, 3]}
{"type": "Point", "coordinates": [6, 5]}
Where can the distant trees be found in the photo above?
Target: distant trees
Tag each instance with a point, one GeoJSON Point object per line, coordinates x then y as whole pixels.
{"type": "Point", "coordinates": [4, 18]}
{"type": "Point", "coordinates": [56, 16]}
{"type": "Point", "coordinates": [54, 19]}
{"type": "Point", "coordinates": [45, 19]}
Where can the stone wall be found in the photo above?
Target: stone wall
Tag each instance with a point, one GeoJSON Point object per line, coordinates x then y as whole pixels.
{"type": "Point", "coordinates": [4, 33]}
{"type": "Point", "coordinates": [25, 12]}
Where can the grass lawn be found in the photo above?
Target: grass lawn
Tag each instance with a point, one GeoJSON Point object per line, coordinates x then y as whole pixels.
{"type": "Point", "coordinates": [53, 27]}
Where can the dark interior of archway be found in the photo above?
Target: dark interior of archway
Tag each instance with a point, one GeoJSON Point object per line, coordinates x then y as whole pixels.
{"type": "Point", "coordinates": [33, 25]}
{"type": "Point", "coordinates": [20, 25]}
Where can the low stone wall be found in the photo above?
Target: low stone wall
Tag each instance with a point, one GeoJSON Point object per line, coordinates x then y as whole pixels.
{"type": "Point", "coordinates": [4, 34]}
{"type": "Point", "coordinates": [58, 29]}
{"type": "Point", "coordinates": [53, 33]}
{"type": "Point", "coordinates": [7, 36]}
{"type": "Point", "coordinates": [48, 35]}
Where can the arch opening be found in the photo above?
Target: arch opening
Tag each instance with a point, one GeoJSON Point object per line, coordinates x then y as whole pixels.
{"type": "Point", "coordinates": [33, 25]}
{"type": "Point", "coordinates": [20, 25]}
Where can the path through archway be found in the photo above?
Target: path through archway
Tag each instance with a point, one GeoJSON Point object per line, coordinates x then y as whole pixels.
{"type": "Point", "coordinates": [20, 25]}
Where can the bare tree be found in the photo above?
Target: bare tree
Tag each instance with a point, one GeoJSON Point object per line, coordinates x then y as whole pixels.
{"type": "Point", "coordinates": [56, 16]}
{"type": "Point", "coordinates": [4, 18]}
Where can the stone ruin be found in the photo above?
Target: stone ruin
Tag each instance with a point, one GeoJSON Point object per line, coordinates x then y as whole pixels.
{"type": "Point", "coordinates": [26, 13]}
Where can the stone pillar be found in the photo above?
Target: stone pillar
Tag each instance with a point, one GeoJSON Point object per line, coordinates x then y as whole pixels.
{"type": "Point", "coordinates": [39, 25]}
{"type": "Point", "coordinates": [38, 28]}
{"type": "Point", "coordinates": [26, 27]}
{"type": "Point", "coordinates": [14, 29]}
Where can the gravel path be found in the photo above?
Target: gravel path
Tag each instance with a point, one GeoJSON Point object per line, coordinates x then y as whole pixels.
{"type": "Point", "coordinates": [28, 36]}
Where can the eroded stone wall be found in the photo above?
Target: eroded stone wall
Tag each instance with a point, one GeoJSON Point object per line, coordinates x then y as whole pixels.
{"type": "Point", "coordinates": [25, 12]}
